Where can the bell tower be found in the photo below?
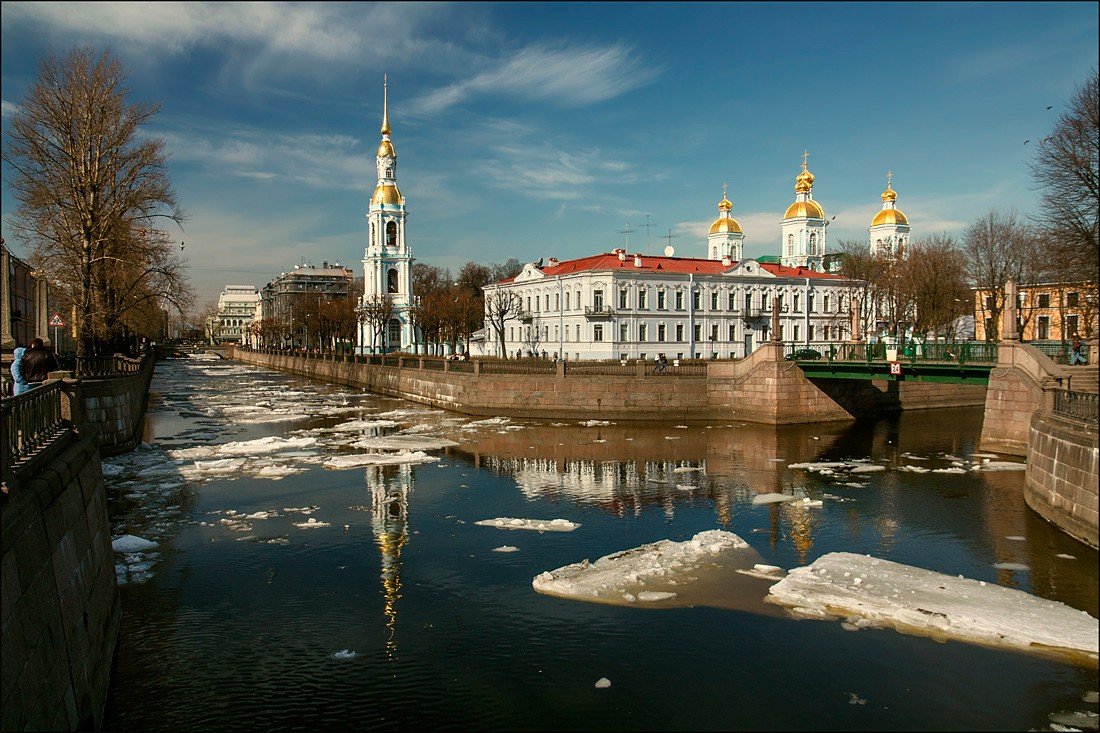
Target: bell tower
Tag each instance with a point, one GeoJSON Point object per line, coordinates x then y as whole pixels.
{"type": "Point", "coordinates": [387, 261]}
{"type": "Point", "coordinates": [803, 227]}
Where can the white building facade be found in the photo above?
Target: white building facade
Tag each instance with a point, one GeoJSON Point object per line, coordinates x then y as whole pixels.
{"type": "Point", "coordinates": [633, 306]}
{"type": "Point", "coordinates": [387, 260]}
{"type": "Point", "coordinates": [236, 310]}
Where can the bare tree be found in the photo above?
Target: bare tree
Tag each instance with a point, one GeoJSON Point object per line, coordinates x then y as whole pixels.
{"type": "Point", "coordinates": [376, 312]}
{"type": "Point", "coordinates": [864, 273]}
{"type": "Point", "coordinates": [998, 247]}
{"type": "Point", "coordinates": [91, 189]}
{"type": "Point", "coordinates": [935, 276]}
{"type": "Point", "coordinates": [1067, 171]}
{"type": "Point", "coordinates": [500, 307]}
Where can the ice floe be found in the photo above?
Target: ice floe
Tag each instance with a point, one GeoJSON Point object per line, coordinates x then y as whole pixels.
{"type": "Point", "coordinates": [344, 654]}
{"type": "Point", "coordinates": [404, 442]}
{"type": "Point", "coordinates": [506, 548]}
{"type": "Point", "coordinates": [312, 523]}
{"type": "Point", "coordinates": [771, 498]}
{"type": "Point", "coordinates": [623, 576]}
{"type": "Point", "coordinates": [918, 601]}
{"type": "Point", "coordinates": [602, 683]}
{"type": "Point", "coordinates": [540, 525]}
{"type": "Point", "coordinates": [378, 459]}
{"type": "Point", "coordinates": [130, 543]}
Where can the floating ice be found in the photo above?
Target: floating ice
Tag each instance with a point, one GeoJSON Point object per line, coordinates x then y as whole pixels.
{"type": "Point", "coordinates": [1011, 566]}
{"type": "Point", "coordinates": [602, 683]}
{"type": "Point", "coordinates": [1064, 556]}
{"type": "Point", "coordinates": [403, 442]}
{"type": "Point", "coordinates": [378, 459]}
{"type": "Point", "coordinates": [541, 525]}
{"type": "Point", "coordinates": [111, 469]}
{"type": "Point", "coordinates": [914, 469]}
{"type": "Point", "coordinates": [130, 543]}
{"type": "Point", "coordinates": [936, 605]}
{"type": "Point", "coordinates": [506, 548]}
{"type": "Point", "coordinates": [356, 425]}
{"type": "Point", "coordinates": [868, 469]}
{"type": "Point", "coordinates": [344, 654]}
{"type": "Point", "coordinates": [948, 470]}
{"type": "Point", "coordinates": [771, 498]}
{"type": "Point", "coordinates": [686, 469]}
{"type": "Point", "coordinates": [989, 465]}
{"type": "Point", "coordinates": [613, 577]}
{"type": "Point", "coordinates": [591, 423]}
{"type": "Point", "coordinates": [311, 523]}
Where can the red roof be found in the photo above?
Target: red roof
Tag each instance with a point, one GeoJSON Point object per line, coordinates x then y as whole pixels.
{"type": "Point", "coordinates": [655, 263]}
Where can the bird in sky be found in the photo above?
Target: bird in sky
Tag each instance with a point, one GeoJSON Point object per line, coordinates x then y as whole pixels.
{"type": "Point", "coordinates": [1049, 107]}
{"type": "Point", "coordinates": [1026, 142]}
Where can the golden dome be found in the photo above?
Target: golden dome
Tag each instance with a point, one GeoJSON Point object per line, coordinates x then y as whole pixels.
{"type": "Point", "coordinates": [386, 195]}
{"type": "Point", "coordinates": [386, 148]}
{"type": "Point", "coordinates": [725, 225]}
{"type": "Point", "coordinates": [888, 194]}
{"type": "Point", "coordinates": [724, 204]}
{"type": "Point", "coordinates": [889, 216]}
{"type": "Point", "coordinates": [804, 182]}
{"type": "Point", "coordinates": [807, 209]}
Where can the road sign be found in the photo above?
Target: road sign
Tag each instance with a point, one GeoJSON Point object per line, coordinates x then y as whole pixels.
{"type": "Point", "coordinates": [56, 320]}
{"type": "Point", "coordinates": [895, 367]}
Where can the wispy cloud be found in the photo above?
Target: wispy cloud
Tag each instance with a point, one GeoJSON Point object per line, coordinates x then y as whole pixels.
{"type": "Point", "coordinates": [7, 109]}
{"type": "Point", "coordinates": [567, 76]}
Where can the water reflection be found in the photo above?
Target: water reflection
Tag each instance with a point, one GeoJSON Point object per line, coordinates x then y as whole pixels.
{"type": "Point", "coordinates": [390, 487]}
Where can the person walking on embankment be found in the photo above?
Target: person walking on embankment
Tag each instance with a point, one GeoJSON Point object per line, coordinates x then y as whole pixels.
{"type": "Point", "coordinates": [1075, 355]}
{"type": "Point", "coordinates": [38, 362]}
{"type": "Point", "coordinates": [20, 384]}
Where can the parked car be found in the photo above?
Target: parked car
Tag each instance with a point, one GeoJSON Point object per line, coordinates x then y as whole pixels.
{"type": "Point", "coordinates": [804, 355]}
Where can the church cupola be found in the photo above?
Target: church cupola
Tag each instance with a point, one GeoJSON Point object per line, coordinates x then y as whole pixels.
{"type": "Point", "coordinates": [803, 227]}
{"type": "Point", "coordinates": [725, 240]}
{"type": "Point", "coordinates": [889, 230]}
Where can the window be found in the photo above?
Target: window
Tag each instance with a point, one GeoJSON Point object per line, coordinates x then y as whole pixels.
{"type": "Point", "coordinates": [661, 333]}
{"type": "Point", "coordinates": [641, 298]}
{"type": "Point", "coordinates": [810, 332]}
{"type": "Point", "coordinates": [393, 335]}
{"type": "Point", "coordinates": [597, 299]}
{"type": "Point", "coordinates": [731, 303]}
{"type": "Point", "coordinates": [679, 332]}
{"type": "Point", "coordinates": [597, 332]}
{"type": "Point", "coordinates": [567, 301]}
{"type": "Point", "coordinates": [714, 253]}
{"type": "Point", "coordinates": [714, 301]}
{"type": "Point", "coordinates": [813, 243]}
{"type": "Point", "coordinates": [679, 300]}
{"type": "Point", "coordinates": [825, 303]}
{"type": "Point", "coordinates": [567, 333]}
{"type": "Point", "coordinates": [622, 332]}
{"type": "Point", "coordinates": [391, 234]}
{"type": "Point", "coordinates": [557, 301]}
{"type": "Point", "coordinates": [781, 305]}
{"type": "Point", "coordinates": [790, 244]}
{"type": "Point", "coordinates": [391, 280]}
{"type": "Point", "coordinates": [714, 332]}
{"type": "Point", "coordinates": [642, 332]}
{"type": "Point", "coordinates": [697, 332]}
{"type": "Point", "coordinates": [695, 297]}
{"type": "Point", "coordinates": [797, 309]}
{"type": "Point", "coordinates": [1044, 327]}
{"type": "Point", "coordinates": [796, 332]}
{"type": "Point", "coordinates": [555, 333]}
{"type": "Point", "coordinates": [622, 298]}
{"type": "Point", "coordinates": [1044, 300]}
{"type": "Point", "coordinates": [732, 334]}
{"type": "Point", "coordinates": [545, 332]}
{"type": "Point", "coordinates": [661, 300]}
{"type": "Point", "coordinates": [810, 302]}
{"type": "Point", "coordinates": [748, 302]}
{"type": "Point", "coordinates": [1071, 326]}
{"type": "Point", "coordinates": [528, 303]}
{"type": "Point", "coordinates": [989, 302]}
{"type": "Point", "coordinates": [547, 306]}
{"type": "Point", "coordinates": [1071, 300]}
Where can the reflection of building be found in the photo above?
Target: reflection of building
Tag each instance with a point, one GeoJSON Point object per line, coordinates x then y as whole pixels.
{"type": "Point", "coordinates": [390, 487]}
{"type": "Point", "coordinates": [236, 309]}
{"type": "Point", "coordinates": [387, 261]}
{"type": "Point", "coordinates": [24, 297]}
{"type": "Point", "coordinates": [1046, 311]}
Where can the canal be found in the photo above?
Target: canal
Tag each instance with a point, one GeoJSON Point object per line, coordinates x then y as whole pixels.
{"type": "Point", "coordinates": [319, 567]}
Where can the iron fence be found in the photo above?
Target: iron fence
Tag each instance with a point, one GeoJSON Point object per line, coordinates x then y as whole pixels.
{"type": "Point", "coordinates": [518, 366]}
{"type": "Point", "coordinates": [1081, 406]}
{"type": "Point", "coordinates": [1059, 351]}
{"type": "Point", "coordinates": [31, 422]}
{"type": "Point", "coordinates": [963, 352]}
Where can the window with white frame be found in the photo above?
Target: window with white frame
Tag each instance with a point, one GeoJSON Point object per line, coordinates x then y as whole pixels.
{"type": "Point", "coordinates": [567, 301]}
{"type": "Point", "coordinates": [622, 298]}
{"type": "Point", "coordinates": [695, 297]}
{"type": "Point", "coordinates": [597, 332]}
{"type": "Point", "coordinates": [797, 305]}
{"type": "Point", "coordinates": [642, 298]}
{"type": "Point", "coordinates": [679, 332]}
{"type": "Point", "coordinates": [623, 330]}
{"type": "Point", "coordinates": [679, 300]}
{"type": "Point", "coordinates": [642, 332]}
{"type": "Point", "coordinates": [597, 299]}
{"type": "Point", "coordinates": [796, 332]}
{"type": "Point", "coordinates": [731, 302]}
{"type": "Point", "coordinates": [661, 332]}
{"type": "Point", "coordinates": [714, 332]}
{"type": "Point", "coordinates": [732, 331]}
{"type": "Point", "coordinates": [714, 300]}
{"type": "Point", "coordinates": [661, 299]}
{"type": "Point", "coordinates": [697, 332]}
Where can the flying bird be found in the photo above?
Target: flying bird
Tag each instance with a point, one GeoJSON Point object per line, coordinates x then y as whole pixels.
{"type": "Point", "coordinates": [1026, 142]}
{"type": "Point", "coordinates": [1049, 107]}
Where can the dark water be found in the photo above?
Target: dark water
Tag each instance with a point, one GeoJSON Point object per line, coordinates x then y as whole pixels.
{"type": "Point", "coordinates": [235, 623]}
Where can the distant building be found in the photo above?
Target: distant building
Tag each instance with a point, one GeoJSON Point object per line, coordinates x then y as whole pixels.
{"type": "Point", "coordinates": [387, 260]}
{"type": "Point", "coordinates": [24, 302]}
{"type": "Point", "coordinates": [284, 300]}
{"type": "Point", "coordinates": [1045, 311]}
{"type": "Point", "coordinates": [236, 310]}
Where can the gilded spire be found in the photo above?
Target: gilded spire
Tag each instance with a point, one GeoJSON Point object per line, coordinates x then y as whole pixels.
{"type": "Point", "coordinates": [805, 180]}
{"type": "Point", "coordinates": [724, 204]}
{"type": "Point", "coordinates": [385, 106]}
{"type": "Point", "coordinates": [889, 194]}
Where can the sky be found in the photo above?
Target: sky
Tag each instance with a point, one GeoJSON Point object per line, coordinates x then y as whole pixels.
{"type": "Point", "coordinates": [537, 130]}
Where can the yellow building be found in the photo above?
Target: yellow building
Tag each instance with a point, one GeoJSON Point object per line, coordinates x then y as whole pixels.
{"type": "Point", "coordinates": [1046, 311]}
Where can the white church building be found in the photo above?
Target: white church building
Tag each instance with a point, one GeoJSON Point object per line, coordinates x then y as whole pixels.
{"type": "Point", "coordinates": [620, 305]}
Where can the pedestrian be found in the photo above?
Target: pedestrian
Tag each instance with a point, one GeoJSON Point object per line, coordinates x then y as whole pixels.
{"type": "Point", "coordinates": [662, 364]}
{"type": "Point", "coordinates": [20, 384]}
{"type": "Point", "coordinates": [38, 362]}
{"type": "Point", "coordinates": [1075, 356]}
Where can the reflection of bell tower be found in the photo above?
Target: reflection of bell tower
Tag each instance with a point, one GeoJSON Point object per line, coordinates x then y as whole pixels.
{"type": "Point", "coordinates": [390, 524]}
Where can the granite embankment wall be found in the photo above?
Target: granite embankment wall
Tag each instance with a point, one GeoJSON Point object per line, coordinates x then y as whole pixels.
{"type": "Point", "coordinates": [762, 388]}
{"type": "Point", "coordinates": [61, 610]}
{"type": "Point", "coordinates": [1063, 473]}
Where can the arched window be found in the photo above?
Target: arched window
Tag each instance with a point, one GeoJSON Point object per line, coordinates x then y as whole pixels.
{"type": "Point", "coordinates": [391, 234]}
{"type": "Point", "coordinates": [373, 234]}
{"type": "Point", "coordinates": [389, 173]}
{"type": "Point", "coordinates": [393, 332]}
{"type": "Point", "coordinates": [391, 281]}
{"type": "Point", "coordinates": [813, 243]}
{"type": "Point", "coordinates": [790, 244]}
{"type": "Point", "coordinates": [714, 253]}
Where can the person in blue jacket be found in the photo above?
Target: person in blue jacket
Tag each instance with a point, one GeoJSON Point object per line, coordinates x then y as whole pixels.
{"type": "Point", "coordinates": [21, 383]}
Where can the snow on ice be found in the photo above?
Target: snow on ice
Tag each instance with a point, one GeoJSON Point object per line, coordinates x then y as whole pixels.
{"type": "Point", "coordinates": [541, 525]}
{"type": "Point", "coordinates": [886, 594]}
{"type": "Point", "coordinates": [130, 543]}
{"type": "Point", "coordinates": [378, 459]}
{"type": "Point", "coordinates": [623, 576]}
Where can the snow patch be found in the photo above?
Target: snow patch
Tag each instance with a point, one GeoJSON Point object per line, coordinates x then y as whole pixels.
{"type": "Point", "coordinates": [540, 525]}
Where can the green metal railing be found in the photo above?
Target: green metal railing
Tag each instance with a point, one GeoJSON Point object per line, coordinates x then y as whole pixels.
{"type": "Point", "coordinates": [968, 352]}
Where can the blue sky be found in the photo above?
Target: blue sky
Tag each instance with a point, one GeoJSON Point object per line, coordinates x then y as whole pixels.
{"type": "Point", "coordinates": [535, 130]}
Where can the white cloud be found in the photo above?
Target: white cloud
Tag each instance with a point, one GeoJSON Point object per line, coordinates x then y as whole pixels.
{"type": "Point", "coordinates": [7, 109]}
